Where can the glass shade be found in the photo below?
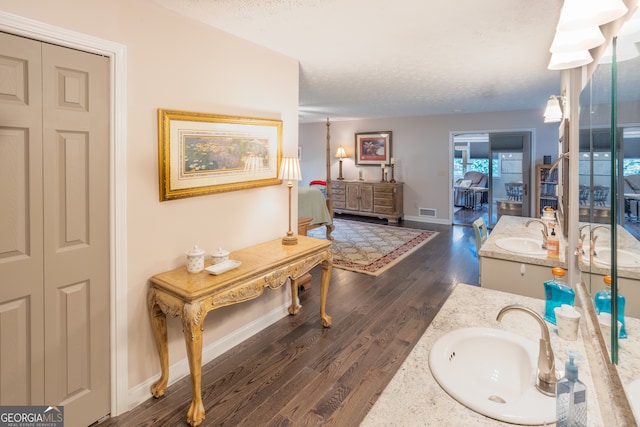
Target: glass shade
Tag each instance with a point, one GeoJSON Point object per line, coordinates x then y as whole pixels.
{"type": "Point", "coordinates": [341, 154]}
{"type": "Point", "coordinates": [576, 40]}
{"type": "Point", "coordinates": [553, 113]}
{"type": "Point", "coordinates": [566, 60]}
{"type": "Point", "coordinates": [577, 14]}
{"type": "Point", "coordinates": [290, 169]}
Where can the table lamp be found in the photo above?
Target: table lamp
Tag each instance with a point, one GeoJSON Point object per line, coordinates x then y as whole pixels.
{"type": "Point", "coordinates": [290, 171]}
{"type": "Point", "coordinates": [341, 154]}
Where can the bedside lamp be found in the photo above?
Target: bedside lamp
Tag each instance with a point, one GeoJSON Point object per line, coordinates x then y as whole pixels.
{"type": "Point", "coordinates": [290, 171]}
{"type": "Point", "coordinates": [341, 154]}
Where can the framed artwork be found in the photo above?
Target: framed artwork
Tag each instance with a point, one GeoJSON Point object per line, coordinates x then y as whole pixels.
{"type": "Point", "coordinates": [373, 148]}
{"type": "Point", "coordinates": [201, 153]}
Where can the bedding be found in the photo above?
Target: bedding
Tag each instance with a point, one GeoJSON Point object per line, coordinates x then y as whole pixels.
{"type": "Point", "coordinates": [312, 203]}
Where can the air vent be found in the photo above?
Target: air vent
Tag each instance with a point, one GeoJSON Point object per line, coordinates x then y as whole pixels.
{"type": "Point", "coordinates": [426, 212]}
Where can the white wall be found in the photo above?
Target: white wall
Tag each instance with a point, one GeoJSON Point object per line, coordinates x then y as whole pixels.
{"type": "Point", "coordinates": [177, 63]}
{"type": "Point", "coordinates": [421, 148]}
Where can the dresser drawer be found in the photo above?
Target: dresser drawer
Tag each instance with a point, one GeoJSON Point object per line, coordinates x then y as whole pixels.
{"type": "Point", "coordinates": [385, 210]}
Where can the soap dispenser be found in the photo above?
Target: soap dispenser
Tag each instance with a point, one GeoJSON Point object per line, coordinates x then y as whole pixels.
{"type": "Point", "coordinates": [553, 245]}
{"type": "Point", "coordinates": [556, 293]}
{"type": "Point", "coordinates": [571, 396]}
{"type": "Point", "coordinates": [602, 300]}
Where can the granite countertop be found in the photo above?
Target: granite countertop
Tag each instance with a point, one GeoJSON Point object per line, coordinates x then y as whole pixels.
{"type": "Point", "coordinates": [625, 240]}
{"type": "Point", "coordinates": [414, 398]}
{"type": "Point", "coordinates": [514, 226]}
{"type": "Point", "coordinates": [628, 351]}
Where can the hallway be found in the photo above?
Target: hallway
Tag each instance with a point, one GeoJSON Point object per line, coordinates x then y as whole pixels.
{"type": "Point", "coordinates": [297, 373]}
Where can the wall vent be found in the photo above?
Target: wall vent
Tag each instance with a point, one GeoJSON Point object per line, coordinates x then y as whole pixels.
{"type": "Point", "coordinates": [426, 212]}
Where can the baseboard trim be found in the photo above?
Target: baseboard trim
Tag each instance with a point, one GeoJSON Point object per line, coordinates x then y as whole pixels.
{"type": "Point", "coordinates": [427, 220]}
{"type": "Point", "coordinates": [180, 369]}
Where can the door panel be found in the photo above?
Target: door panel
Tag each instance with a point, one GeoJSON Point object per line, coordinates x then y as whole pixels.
{"type": "Point", "coordinates": [21, 248]}
{"type": "Point", "coordinates": [509, 174]}
{"type": "Point", "coordinates": [76, 232]}
{"type": "Point", "coordinates": [54, 242]}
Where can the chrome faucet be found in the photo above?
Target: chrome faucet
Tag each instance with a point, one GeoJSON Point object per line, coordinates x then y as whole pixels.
{"type": "Point", "coordinates": [545, 231]}
{"type": "Point", "coordinates": [581, 237]}
{"type": "Point", "coordinates": [593, 238]}
{"type": "Point", "coordinates": [547, 375]}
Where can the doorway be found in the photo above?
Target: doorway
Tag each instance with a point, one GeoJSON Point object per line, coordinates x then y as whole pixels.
{"type": "Point", "coordinates": [491, 175]}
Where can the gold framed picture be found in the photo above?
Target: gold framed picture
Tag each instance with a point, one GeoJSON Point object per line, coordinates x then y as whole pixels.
{"type": "Point", "coordinates": [202, 153]}
{"type": "Point", "coordinates": [373, 148]}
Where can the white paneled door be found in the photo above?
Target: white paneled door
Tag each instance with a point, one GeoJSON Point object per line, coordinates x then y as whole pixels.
{"type": "Point", "coordinates": [54, 238]}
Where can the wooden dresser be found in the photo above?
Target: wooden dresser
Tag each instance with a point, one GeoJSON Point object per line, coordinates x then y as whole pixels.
{"type": "Point", "coordinates": [368, 198]}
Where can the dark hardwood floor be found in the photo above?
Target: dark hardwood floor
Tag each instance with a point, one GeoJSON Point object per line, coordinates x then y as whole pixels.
{"type": "Point", "coordinates": [297, 373]}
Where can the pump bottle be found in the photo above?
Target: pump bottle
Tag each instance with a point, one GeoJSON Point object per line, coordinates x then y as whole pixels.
{"type": "Point", "coordinates": [571, 396]}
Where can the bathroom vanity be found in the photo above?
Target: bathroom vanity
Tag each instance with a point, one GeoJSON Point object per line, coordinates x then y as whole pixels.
{"type": "Point", "coordinates": [521, 268]}
{"type": "Point", "coordinates": [414, 397]}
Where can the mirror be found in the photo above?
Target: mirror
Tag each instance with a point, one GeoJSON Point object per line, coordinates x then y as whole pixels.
{"type": "Point", "coordinates": [609, 190]}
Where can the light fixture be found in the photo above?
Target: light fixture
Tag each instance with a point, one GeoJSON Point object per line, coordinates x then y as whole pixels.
{"type": "Point", "coordinates": [341, 154]}
{"type": "Point", "coordinates": [576, 40]}
{"type": "Point", "coordinates": [566, 60]}
{"type": "Point", "coordinates": [577, 14]}
{"type": "Point", "coordinates": [553, 112]}
{"type": "Point", "coordinates": [577, 31]}
{"type": "Point", "coordinates": [290, 171]}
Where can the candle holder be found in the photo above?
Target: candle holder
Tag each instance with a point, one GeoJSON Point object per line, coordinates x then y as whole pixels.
{"type": "Point", "coordinates": [382, 177]}
{"type": "Point", "coordinates": [393, 178]}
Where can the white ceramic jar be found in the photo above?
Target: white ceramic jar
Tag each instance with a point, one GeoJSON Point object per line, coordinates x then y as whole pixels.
{"type": "Point", "coordinates": [219, 256]}
{"type": "Point", "coordinates": [195, 260]}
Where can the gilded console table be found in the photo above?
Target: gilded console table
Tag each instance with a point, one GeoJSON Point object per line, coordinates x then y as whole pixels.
{"type": "Point", "coordinates": [191, 296]}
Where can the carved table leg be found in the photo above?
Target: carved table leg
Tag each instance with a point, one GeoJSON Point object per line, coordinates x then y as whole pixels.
{"type": "Point", "coordinates": [294, 307]}
{"type": "Point", "coordinates": [324, 291]}
{"type": "Point", "coordinates": [159, 328]}
{"type": "Point", "coordinates": [192, 321]}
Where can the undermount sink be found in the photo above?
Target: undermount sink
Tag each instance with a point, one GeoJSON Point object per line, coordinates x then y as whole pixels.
{"type": "Point", "coordinates": [492, 372]}
{"type": "Point", "coordinates": [521, 245]}
{"type": "Point", "coordinates": [625, 259]}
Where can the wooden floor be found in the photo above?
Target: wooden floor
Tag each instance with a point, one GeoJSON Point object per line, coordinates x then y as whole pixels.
{"type": "Point", "coordinates": [297, 373]}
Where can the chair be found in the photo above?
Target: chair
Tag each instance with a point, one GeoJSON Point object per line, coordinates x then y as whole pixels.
{"type": "Point", "coordinates": [584, 194]}
{"type": "Point", "coordinates": [472, 179]}
{"type": "Point", "coordinates": [600, 195]}
{"type": "Point", "coordinates": [514, 190]}
{"type": "Point", "coordinates": [482, 233]}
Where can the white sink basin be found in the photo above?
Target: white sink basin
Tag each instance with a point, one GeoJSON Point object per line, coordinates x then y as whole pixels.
{"type": "Point", "coordinates": [625, 259]}
{"type": "Point", "coordinates": [521, 245]}
{"type": "Point", "coordinates": [492, 372]}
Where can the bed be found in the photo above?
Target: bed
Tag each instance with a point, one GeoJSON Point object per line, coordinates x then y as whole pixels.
{"type": "Point", "coordinates": [315, 201]}
{"type": "Point", "coordinates": [312, 203]}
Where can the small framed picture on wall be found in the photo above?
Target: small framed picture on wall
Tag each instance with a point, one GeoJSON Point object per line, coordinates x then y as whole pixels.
{"type": "Point", "coordinates": [373, 148]}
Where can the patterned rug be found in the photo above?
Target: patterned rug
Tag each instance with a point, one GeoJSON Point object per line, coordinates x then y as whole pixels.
{"type": "Point", "coordinates": [371, 248]}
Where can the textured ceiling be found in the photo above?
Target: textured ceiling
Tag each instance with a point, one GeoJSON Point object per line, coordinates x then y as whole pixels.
{"type": "Point", "coordinates": [378, 58]}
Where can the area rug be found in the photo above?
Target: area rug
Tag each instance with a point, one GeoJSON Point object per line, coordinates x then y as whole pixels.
{"type": "Point", "coordinates": [371, 248]}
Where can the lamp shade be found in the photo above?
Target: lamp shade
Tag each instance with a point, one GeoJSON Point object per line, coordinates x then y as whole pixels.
{"type": "Point", "coordinates": [566, 60]}
{"type": "Point", "coordinates": [577, 14]}
{"type": "Point", "coordinates": [341, 154]}
{"type": "Point", "coordinates": [290, 169]}
{"type": "Point", "coordinates": [581, 39]}
{"type": "Point", "coordinates": [553, 113]}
